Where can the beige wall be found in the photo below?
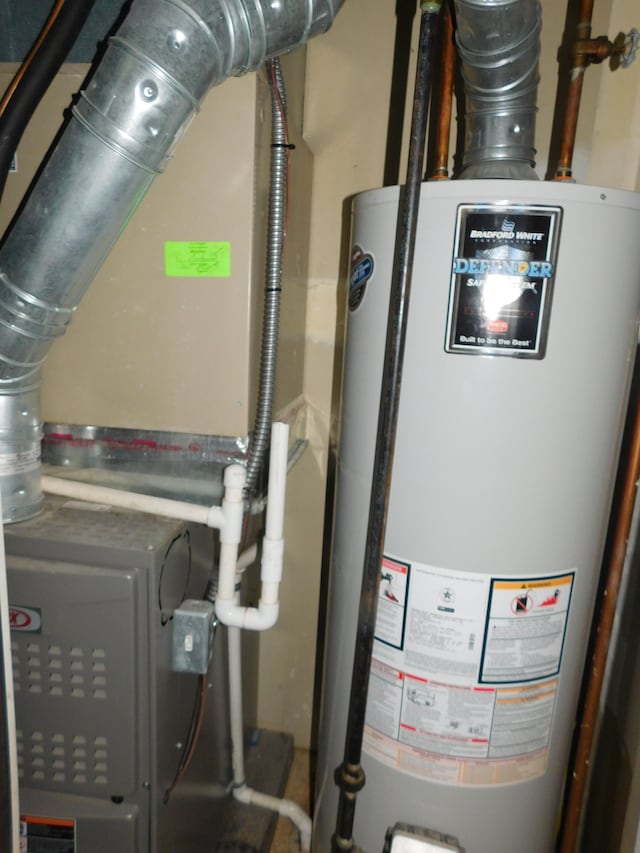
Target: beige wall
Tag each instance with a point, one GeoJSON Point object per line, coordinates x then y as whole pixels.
{"type": "Point", "coordinates": [615, 150]}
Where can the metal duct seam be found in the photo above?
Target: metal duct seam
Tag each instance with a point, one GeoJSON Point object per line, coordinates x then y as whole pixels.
{"type": "Point", "coordinates": [157, 68]}
{"type": "Point", "coordinates": [498, 43]}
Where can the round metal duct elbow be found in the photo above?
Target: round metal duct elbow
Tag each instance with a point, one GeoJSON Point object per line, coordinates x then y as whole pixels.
{"type": "Point", "coordinates": [124, 127]}
{"type": "Point", "coordinates": [498, 43]}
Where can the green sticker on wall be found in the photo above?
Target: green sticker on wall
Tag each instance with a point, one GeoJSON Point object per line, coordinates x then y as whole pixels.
{"type": "Point", "coordinates": [197, 260]}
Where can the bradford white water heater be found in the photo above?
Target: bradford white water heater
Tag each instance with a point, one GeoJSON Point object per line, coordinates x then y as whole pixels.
{"type": "Point", "coordinates": [521, 338]}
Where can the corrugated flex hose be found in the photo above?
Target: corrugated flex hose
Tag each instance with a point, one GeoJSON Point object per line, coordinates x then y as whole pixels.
{"type": "Point", "coordinates": [273, 280]}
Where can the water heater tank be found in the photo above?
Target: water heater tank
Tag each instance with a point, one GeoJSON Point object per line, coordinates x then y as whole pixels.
{"type": "Point", "coordinates": [520, 343]}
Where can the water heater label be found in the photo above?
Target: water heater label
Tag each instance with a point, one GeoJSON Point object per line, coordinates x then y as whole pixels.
{"type": "Point", "coordinates": [502, 278]}
{"type": "Point", "coordinates": [465, 672]}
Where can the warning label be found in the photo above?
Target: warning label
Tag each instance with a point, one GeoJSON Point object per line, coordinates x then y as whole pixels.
{"type": "Point", "coordinates": [392, 601]}
{"type": "Point", "coordinates": [463, 679]}
{"type": "Point", "coordinates": [526, 628]}
{"type": "Point", "coordinates": [46, 835]}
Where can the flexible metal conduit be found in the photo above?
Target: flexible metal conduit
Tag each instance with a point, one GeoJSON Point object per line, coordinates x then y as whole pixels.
{"type": "Point", "coordinates": [499, 48]}
{"type": "Point", "coordinates": [138, 103]}
{"type": "Point", "coordinates": [273, 278]}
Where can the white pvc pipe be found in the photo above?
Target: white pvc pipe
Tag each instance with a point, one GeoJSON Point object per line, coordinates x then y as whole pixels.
{"type": "Point", "coordinates": [234, 642]}
{"type": "Point", "coordinates": [265, 615]}
{"type": "Point", "coordinates": [277, 481]}
{"type": "Point", "coordinates": [231, 533]}
{"type": "Point", "coordinates": [285, 808]}
{"type": "Point", "coordinates": [212, 516]}
{"type": "Point", "coordinates": [8, 699]}
{"type": "Point", "coordinates": [241, 791]}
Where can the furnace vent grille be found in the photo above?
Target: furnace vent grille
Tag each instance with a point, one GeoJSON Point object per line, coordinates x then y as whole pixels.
{"type": "Point", "coordinates": [76, 672]}
{"type": "Point", "coordinates": [54, 758]}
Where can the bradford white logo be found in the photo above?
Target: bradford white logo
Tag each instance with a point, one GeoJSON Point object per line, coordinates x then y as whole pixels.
{"type": "Point", "coordinates": [25, 619]}
{"type": "Point", "coordinates": [507, 231]}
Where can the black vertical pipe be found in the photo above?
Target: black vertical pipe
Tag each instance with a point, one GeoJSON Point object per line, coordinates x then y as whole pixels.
{"type": "Point", "coordinates": [43, 62]}
{"type": "Point", "coordinates": [350, 775]}
{"type": "Point", "coordinates": [405, 13]}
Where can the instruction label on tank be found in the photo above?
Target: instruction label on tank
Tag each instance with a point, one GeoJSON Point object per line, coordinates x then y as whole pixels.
{"type": "Point", "coordinates": [392, 602]}
{"type": "Point", "coordinates": [465, 672]}
{"type": "Point", "coordinates": [525, 628]}
{"type": "Point", "coordinates": [502, 279]}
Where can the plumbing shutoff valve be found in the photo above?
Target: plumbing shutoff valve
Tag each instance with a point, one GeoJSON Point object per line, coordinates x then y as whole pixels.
{"type": "Point", "coordinates": [194, 625]}
{"type": "Point", "coordinates": [403, 838]}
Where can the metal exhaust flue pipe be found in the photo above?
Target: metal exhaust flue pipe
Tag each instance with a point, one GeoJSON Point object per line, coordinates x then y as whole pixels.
{"type": "Point", "coordinates": [156, 70]}
{"type": "Point", "coordinates": [498, 45]}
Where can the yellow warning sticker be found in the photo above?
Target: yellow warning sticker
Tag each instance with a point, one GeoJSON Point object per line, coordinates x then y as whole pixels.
{"type": "Point", "coordinates": [526, 626]}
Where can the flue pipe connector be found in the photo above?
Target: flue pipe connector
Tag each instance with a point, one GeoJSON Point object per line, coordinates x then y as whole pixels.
{"type": "Point", "coordinates": [498, 44]}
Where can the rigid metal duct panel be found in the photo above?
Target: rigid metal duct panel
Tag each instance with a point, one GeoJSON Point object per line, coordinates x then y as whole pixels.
{"type": "Point", "coordinates": [520, 342]}
{"type": "Point", "coordinates": [124, 127]}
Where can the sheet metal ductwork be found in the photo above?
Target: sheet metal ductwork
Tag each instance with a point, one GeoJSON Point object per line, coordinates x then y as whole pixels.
{"type": "Point", "coordinates": [498, 43]}
{"type": "Point", "coordinates": [126, 123]}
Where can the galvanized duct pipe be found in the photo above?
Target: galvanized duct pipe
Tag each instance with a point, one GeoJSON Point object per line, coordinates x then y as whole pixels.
{"type": "Point", "coordinates": [499, 47]}
{"type": "Point", "coordinates": [138, 103]}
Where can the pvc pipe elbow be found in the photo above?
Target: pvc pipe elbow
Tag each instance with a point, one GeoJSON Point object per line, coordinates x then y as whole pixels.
{"type": "Point", "coordinates": [242, 794]}
{"type": "Point", "coordinates": [226, 611]}
{"type": "Point", "coordinates": [262, 617]}
{"type": "Point", "coordinates": [215, 517]}
{"type": "Point", "coordinates": [259, 618]}
{"type": "Point", "coordinates": [285, 808]}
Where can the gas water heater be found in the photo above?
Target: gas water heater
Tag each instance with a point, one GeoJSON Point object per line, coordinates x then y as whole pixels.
{"type": "Point", "coordinates": [520, 345]}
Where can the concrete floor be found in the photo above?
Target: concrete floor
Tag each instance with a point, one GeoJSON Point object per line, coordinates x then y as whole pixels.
{"type": "Point", "coordinates": [298, 785]}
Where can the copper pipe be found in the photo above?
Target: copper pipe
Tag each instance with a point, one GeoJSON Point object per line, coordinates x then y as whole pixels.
{"type": "Point", "coordinates": [35, 48]}
{"type": "Point", "coordinates": [579, 772]}
{"type": "Point", "coordinates": [445, 100]}
{"type": "Point", "coordinates": [585, 51]}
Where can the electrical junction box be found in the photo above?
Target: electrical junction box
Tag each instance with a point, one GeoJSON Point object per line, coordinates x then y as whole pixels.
{"type": "Point", "coordinates": [102, 720]}
{"type": "Point", "coordinates": [194, 625]}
